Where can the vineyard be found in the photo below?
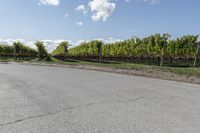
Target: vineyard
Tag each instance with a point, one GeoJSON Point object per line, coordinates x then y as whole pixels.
{"type": "Point", "coordinates": [155, 49]}
{"type": "Point", "coordinates": [20, 51]}
{"type": "Point", "coordinates": [17, 51]}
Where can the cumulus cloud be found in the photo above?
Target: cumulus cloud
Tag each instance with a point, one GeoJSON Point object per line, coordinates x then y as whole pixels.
{"type": "Point", "coordinates": [101, 9]}
{"type": "Point", "coordinates": [11, 41]}
{"type": "Point", "coordinates": [52, 44]}
{"type": "Point", "coordinates": [81, 8]}
{"type": "Point", "coordinates": [49, 2]}
{"type": "Point", "coordinates": [109, 40]}
{"type": "Point", "coordinates": [74, 44]}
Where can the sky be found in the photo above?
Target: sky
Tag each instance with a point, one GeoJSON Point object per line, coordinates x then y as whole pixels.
{"type": "Point", "coordinates": [79, 20]}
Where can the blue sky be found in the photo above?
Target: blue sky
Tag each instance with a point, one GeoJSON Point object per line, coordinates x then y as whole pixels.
{"type": "Point", "coordinates": [90, 19]}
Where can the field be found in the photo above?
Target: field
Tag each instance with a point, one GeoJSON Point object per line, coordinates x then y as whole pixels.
{"type": "Point", "coordinates": [153, 56]}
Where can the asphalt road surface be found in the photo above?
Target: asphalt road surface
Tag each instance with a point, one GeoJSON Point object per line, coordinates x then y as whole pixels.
{"type": "Point", "coordinates": [41, 99]}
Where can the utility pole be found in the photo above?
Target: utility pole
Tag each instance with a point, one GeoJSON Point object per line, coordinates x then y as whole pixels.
{"type": "Point", "coordinates": [197, 53]}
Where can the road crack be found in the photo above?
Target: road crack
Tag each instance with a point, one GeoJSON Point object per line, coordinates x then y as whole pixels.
{"type": "Point", "coordinates": [69, 108]}
{"type": "Point", "coordinates": [49, 114]}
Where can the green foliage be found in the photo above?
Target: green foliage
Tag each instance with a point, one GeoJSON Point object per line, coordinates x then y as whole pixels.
{"type": "Point", "coordinates": [18, 50]}
{"type": "Point", "coordinates": [42, 52]}
{"type": "Point", "coordinates": [6, 50]}
{"type": "Point", "coordinates": [90, 49]}
{"type": "Point", "coordinates": [61, 50]}
{"type": "Point", "coordinates": [154, 46]}
{"type": "Point", "coordinates": [48, 58]}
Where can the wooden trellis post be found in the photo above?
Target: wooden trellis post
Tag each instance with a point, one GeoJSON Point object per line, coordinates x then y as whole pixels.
{"type": "Point", "coordinates": [197, 53]}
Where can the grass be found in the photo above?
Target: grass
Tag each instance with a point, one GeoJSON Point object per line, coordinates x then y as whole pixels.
{"type": "Point", "coordinates": [189, 71]}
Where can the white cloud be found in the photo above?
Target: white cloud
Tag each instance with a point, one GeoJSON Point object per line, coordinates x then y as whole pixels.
{"type": "Point", "coordinates": [101, 9]}
{"type": "Point", "coordinates": [81, 8]}
{"type": "Point", "coordinates": [79, 23]}
{"type": "Point", "coordinates": [109, 40]}
{"type": "Point", "coordinates": [11, 41]}
{"type": "Point", "coordinates": [49, 44]}
{"type": "Point", "coordinates": [74, 44]}
{"type": "Point", "coordinates": [49, 2]}
{"type": "Point", "coordinates": [52, 44]}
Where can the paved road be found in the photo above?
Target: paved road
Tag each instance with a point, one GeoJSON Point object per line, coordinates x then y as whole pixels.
{"type": "Point", "coordinates": [38, 99]}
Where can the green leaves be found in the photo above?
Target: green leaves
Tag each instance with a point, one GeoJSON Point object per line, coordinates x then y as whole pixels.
{"type": "Point", "coordinates": [17, 50]}
{"type": "Point", "coordinates": [61, 50]}
{"type": "Point", "coordinates": [42, 52]}
{"type": "Point", "coordinates": [87, 49]}
{"type": "Point", "coordinates": [152, 46]}
{"type": "Point", "coordinates": [156, 48]}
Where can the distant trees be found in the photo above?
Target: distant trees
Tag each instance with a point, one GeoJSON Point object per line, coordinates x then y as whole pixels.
{"type": "Point", "coordinates": [92, 49]}
{"type": "Point", "coordinates": [156, 48]}
{"type": "Point", "coordinates": [42, 52]}
{"type": "Point", "coordinates": [61, 50]}
{"type": "Point", "coordinates": [18, 50]}
{"type": "Point", "coordinates": [98, 45]}
{"type": "Point", "coordinates": [6, 51]}
{"type": "Point", "coordinates": [162, 42]}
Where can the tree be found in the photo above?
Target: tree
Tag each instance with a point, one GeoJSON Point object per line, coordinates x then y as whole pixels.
{"type": "Point", "coordinates": [1, 51]}
{"type": "Point", "coordinates": [61, 50]}
{"type": "Point", "coordinates": [42, 52]}
{"type": "Point", "coordinates": [99, 45]}
{"type": "Point", "coordinates": [17, 49]}
{"type": "Point", "coordinates": [154, 49]}
{"type": "Point", "coordinates": [161, 42]}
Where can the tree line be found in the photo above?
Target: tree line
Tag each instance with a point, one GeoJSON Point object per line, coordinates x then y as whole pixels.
{"type": "Point", "coordinates": [20, 51]}
{"type": "Point", "coordinates": [155, 49]}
